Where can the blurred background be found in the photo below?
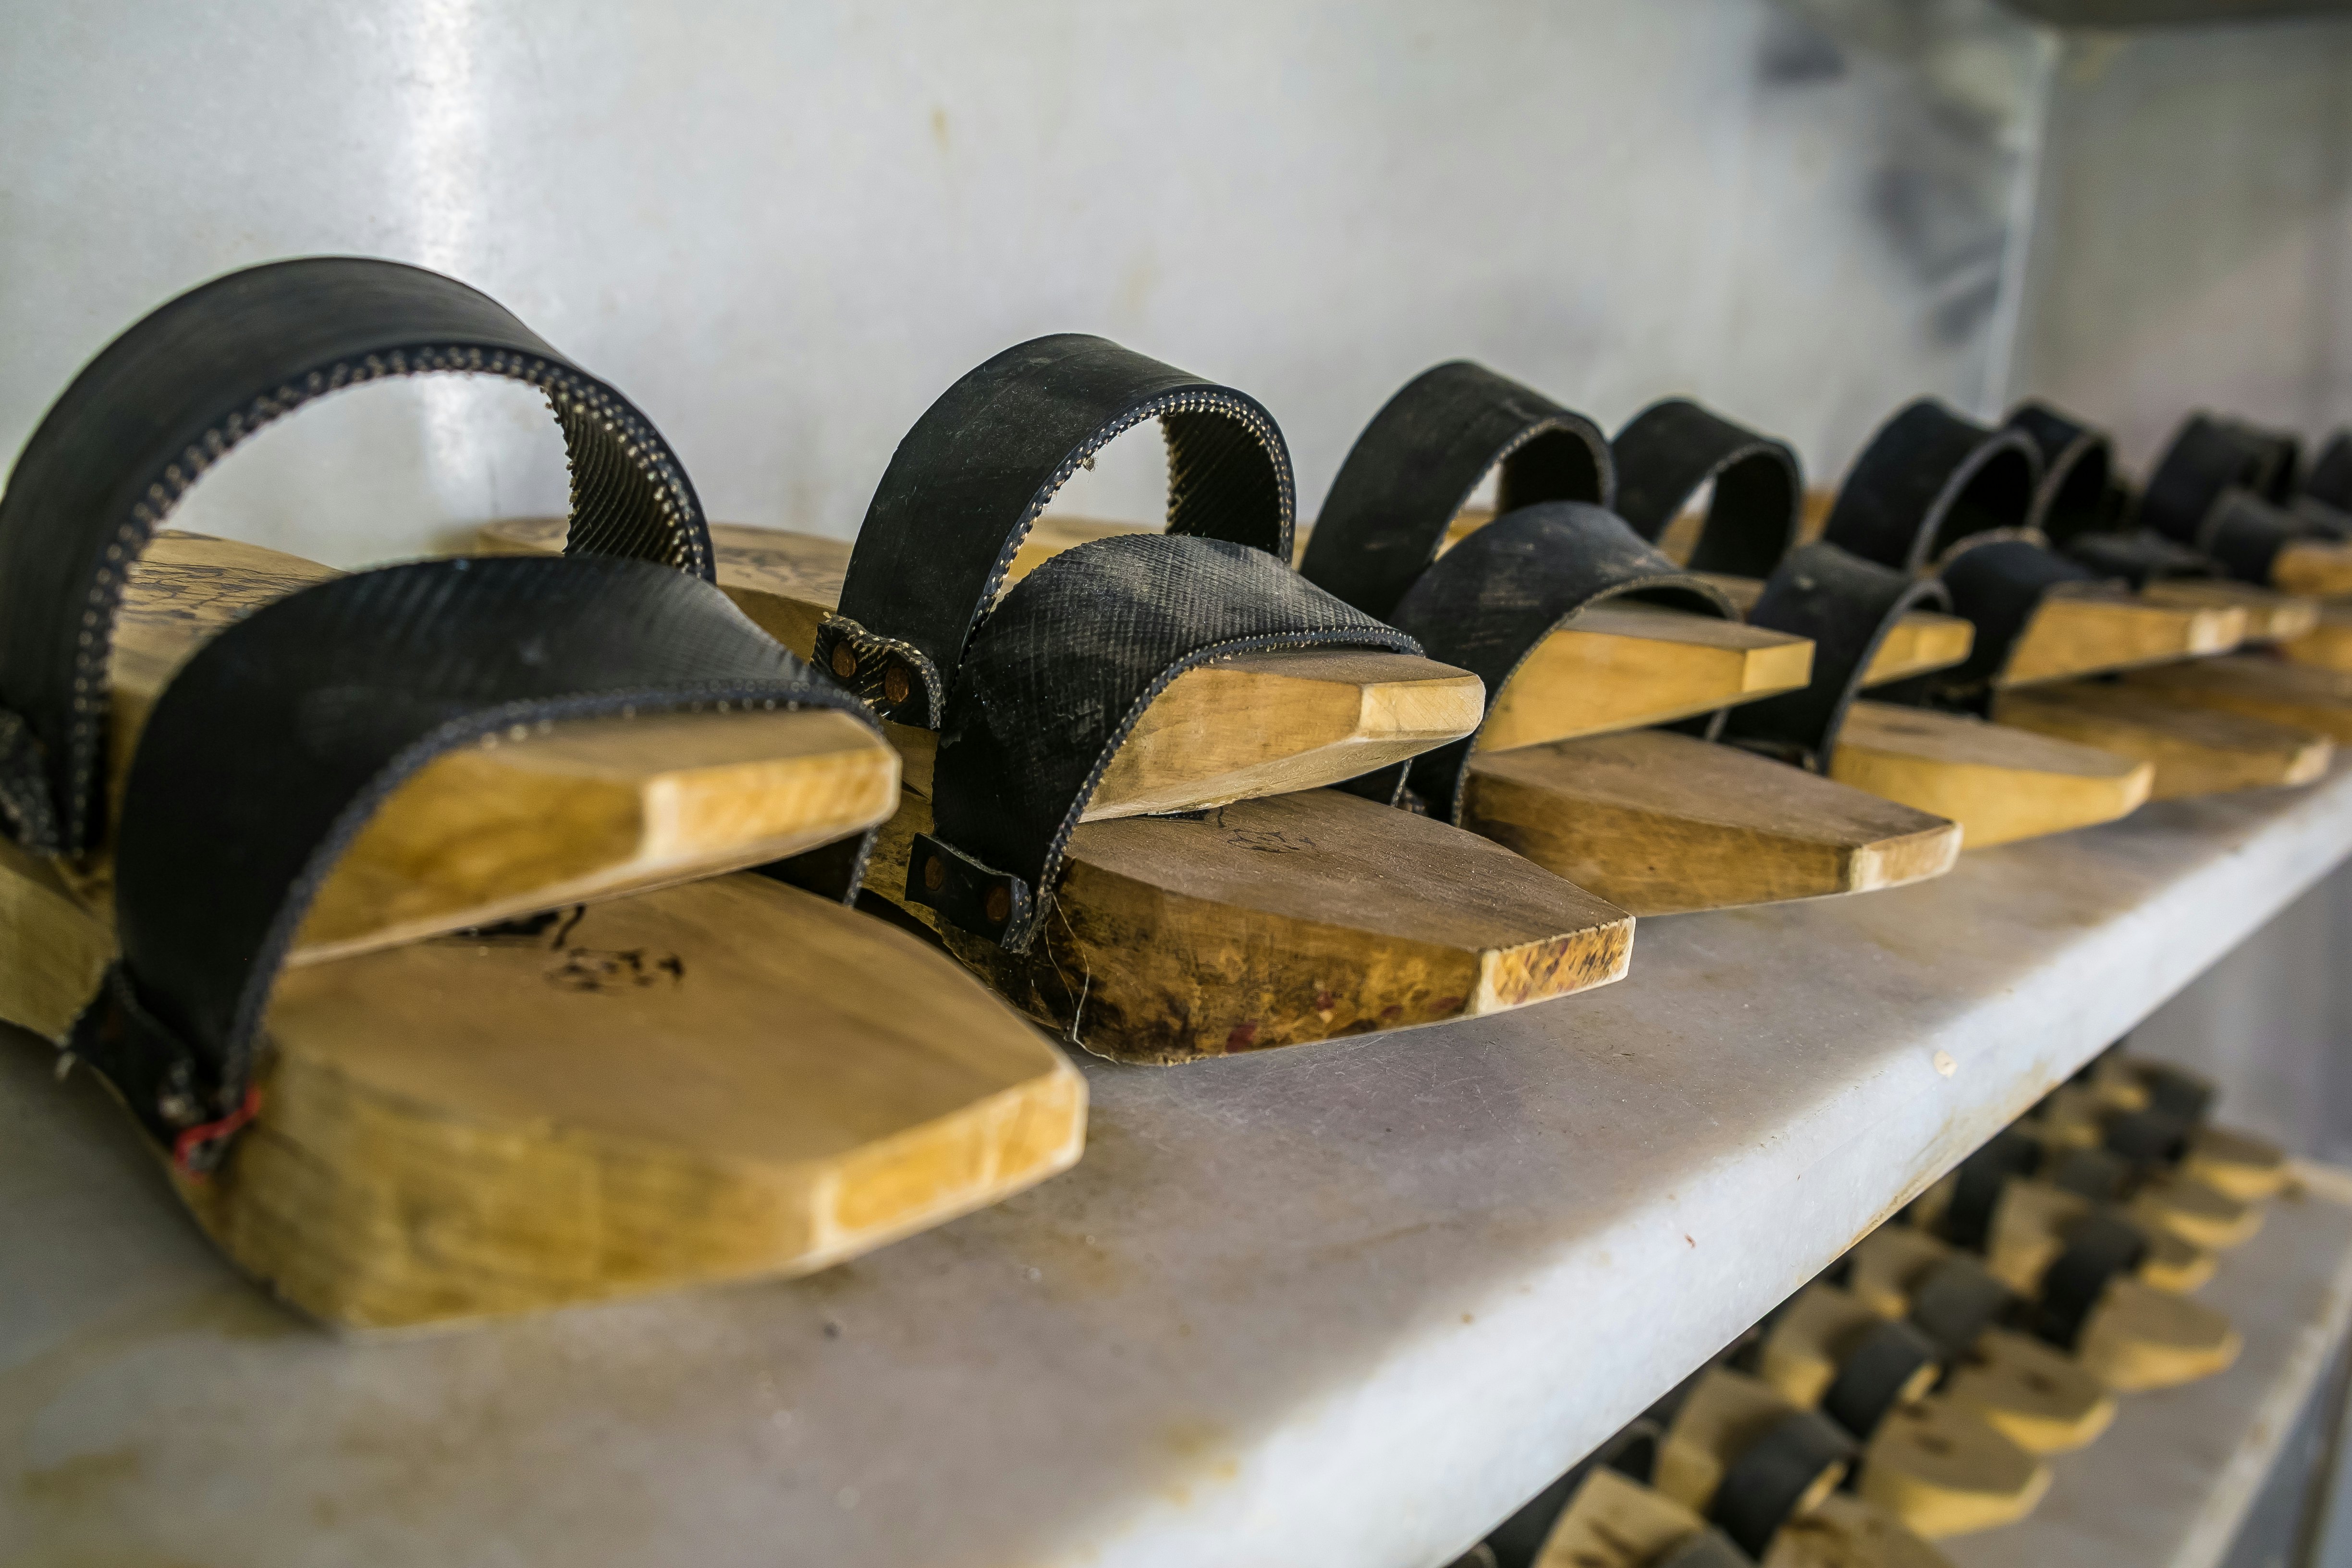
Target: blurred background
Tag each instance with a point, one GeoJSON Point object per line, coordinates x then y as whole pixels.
{"type": "Point", "coordinates": [783, 228]}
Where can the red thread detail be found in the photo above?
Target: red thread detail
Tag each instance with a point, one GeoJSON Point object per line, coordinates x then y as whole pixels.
{"type": "Point", "coordinates": [186, 1144]}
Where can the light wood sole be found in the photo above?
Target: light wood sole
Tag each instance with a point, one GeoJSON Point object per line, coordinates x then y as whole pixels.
{"type": "Point", "coordinates": [2094, 628]}
{"type": "Point", "coordinates": [1278, 922]}
{"type": "Point", "coordinates": [2320, 571]}
{"type": "Point", "coordinates": [1999, 784]}
{"type": "Point", "coordinates": [2328, 644]}
{"type": "Point", "coordinates": [2303, 696]}
{"type": "Point", "coordinates": [728, 1079]}
{"type": "Point", "coordinates": [2270, 617]}
{"type": "Point", "coordinates": [2193, 751]}
{"type": "Point", "coordinates": [1658, 823]}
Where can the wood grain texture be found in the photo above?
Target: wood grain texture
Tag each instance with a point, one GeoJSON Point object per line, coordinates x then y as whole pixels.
{"type": "Point", "coordinates": [1260, 724]}
{"type": "Point", "coordinates": [1272, 923]}
{"type": "Point", "coordinates": [2321, 571]}
{"type": "Point", "coordinates": [723, 1080]}
{"type": "Point", "coordinates": [2270, 617]}
{"type": "Point", "coordinates": [2194, 751]}
{"type": "Point", "coordinates": [2328, 644]}
{"type": "Point", "coordinates": [583, 810]}
{"type": "Point", "coordinates": [1999, 784]}
{"type": "Point", "coordinates": [2304, 696]}
{"type": "Point", "coordinates": [1621, 665]}
{"type": "Point", "coordinates": [1658, 823]}
{"type": "Point", "coordinates": [2087, 628]}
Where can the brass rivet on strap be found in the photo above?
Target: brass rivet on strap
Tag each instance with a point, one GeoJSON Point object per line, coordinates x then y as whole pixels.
{"type": "Point", "coordinates": [1000, 905]}
{"type": "Point", "coordinates": [935, 873]}
{"type": "Point", "coordinates": [895, 684]}
{"type": "Point", "coordinates": [845, 663]}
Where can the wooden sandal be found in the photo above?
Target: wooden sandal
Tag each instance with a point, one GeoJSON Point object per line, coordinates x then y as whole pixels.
{"type": "Point", "coordinates": [1189, 672]}
{"type": "Point", "coordinates": [1584, 633]}
{"type": "Point", "coordinates": [2227, 491]}
{"type": "Point", "coordinates": [2116, 1083]}
{"type": "Point", "coordinates": [328, 794]}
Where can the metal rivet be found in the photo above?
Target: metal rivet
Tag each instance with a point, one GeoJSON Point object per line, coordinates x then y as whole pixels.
{"type": "Point", "coordinates": [845, 663]}
{"type": "Point", "coordinates": [935, 873]}
{"type": "Point", "coordinates": [1000, 906]}
{"type": "Point", "coordinates": [895, 684]}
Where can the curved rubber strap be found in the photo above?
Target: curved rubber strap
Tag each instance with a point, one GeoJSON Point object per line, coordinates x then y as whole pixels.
{"type": "Point", "coordinates": [2150, 1137]}
{"type": "Point", "coordinates": [1489, 602]}
{"type": "Point", "coordinates": [2095, 1174]}
{"type": "Point", "coordinates": [1669, 449]}
{"type": "Point", "coordinates": [1419, 462]}
{"type": "Point", "coordinates": [1968, 1222]}
{"type": "Point", "coordinates": [2245, 534]}
{"type": "Point", "coordinates": [1956, 1302]}
{"type": "Point", "coordinates": [273, 747]}
{"type": "Point", "coordinates": [165, 400]}
{"type": "Point", "coordinates": [2330, 479]}
{"type": "Point", "coordinates": [1057, 677]}
{"type": "Point", "coordinates": [2320, 520]}
{"type": "Point", "coordinates": [2279, 453]}
{"type": "Point", "coordinates": [2176, 1093]}
{"type": "Point", "coordinates": [2098, 1249]}
{"type": "Point", "coordinates": [2206, 457]}
{"type": "Point", "coordinates": [1997, 581]}
{"type": "Point", "coordinates": [2137, 558]}
{"type": "Point", "coordinates": [1762, 1487]}
{"type": "Point", "coordinates": [971, 477]}
{"type": "Point", "coordinates": [1874, 1376]}
{"type": "Point", "coordinates": [1846, 605]}
{"type": "Point", "coordinates": [2077, 469]}
{"type": "Point", "coordinates": [1928, 479]}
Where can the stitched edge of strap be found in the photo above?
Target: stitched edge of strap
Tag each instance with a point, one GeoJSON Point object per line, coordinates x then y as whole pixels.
{"type": "Point", "coordinates": [1669, 449]}
{"type": "Point", "coordinates": [174, 460]}
{"type": "Point", "coordinates": [1417, 464]}
{"type": "Point", "coordinates": [895, 639]}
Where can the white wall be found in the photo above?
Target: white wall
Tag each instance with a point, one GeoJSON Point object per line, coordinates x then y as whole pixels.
{"type": "Point", "coordinates": [783, 229]}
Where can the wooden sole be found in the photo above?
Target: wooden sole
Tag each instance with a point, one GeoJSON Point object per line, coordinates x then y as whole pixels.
{"type": "Point", "coordinates": [563, 813]}
{"type": "Point", "coordinates": [2032, 1394]}
{"type": "Point", "coordinates": [724, 1081]}
{"type": "Point", "coordinates": [1847, 1531]}
{"type": "Point", "coordinates": [1266, 723]}
{"type": "Point", "coordinates": [2194, 751]}
{"type": "Point", "coordinates": [2328, 644]}
{"type": "Point", "coordinates": [1615, 1522]}
{"type": "Point", "coordinates": [1658, 823]}
{"type": "Point", "coordinates": [2031, 1220]}
{"type": "Point", "coordinates": [2245, 1167]}
{"type": "Point", "coordinates": [2270, 617]}
{"type": "Point", "coordinates": [2139, 1337]}
{"type": "Point", "coordinates": [1999, 784]}
{"type": "Point", "coordinates": [2091, 629]}
{"type": "Point", "coordinates": [1281, 921]}
{"type": "Point", "coordinates": [2300, 695]}
{"type": "Point", "coordinates": [2319, 571]}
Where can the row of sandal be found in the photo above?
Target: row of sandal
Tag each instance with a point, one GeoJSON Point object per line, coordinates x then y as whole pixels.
{"type": "Point", "coordinates": [1915, 1391]}
{"type": "Point", "coordinates": [648, 901]}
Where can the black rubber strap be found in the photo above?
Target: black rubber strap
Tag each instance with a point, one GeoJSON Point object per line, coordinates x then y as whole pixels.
{"type": "Point", "coordinates": [1956, 1302]}
{"type": "Point", "coordinates": [2330, 479]}
{"type": "Point", "coordinates": [1057, 677]}
{"type": "Point", "coordinates": [165, 400]}
{"type": "Point", "coordinates": [1997, 581]}
{"type": "Point", "coordinates": [2095, 1174]}
{"type": "Point", "coordinates": [1669, 449]}
{"type": "Point", "coordinates": [2078, 466]}
{"type": "Point", "coordinates": [1928, 479]}
{"type": "Point", "coordinates": [2150, 1137]}
{"type": "Point", "coordinates": [1846, 605]}
{"type": "Point", "coordinates": [1874, 1376]}
{"type": "Point", "coordinates": [971, 477]}
{"type": "Point", "coordinates": [2280, 454]}
{"type": "Point", "coordinates": [1762, 1487]}
{"type": "Point", "coordinates": [1702, 1549]}
{"type": "Point", "coordinates": [2322, 519]}
{"type": "Point", "coordinates": [2245, 534]}
{"type": "Point", "coordinates": [2176, 1093]}
{"type": "Point", "coordinates": [1417, 464]}
{"type": "Point", "coordinates": [1488, 603]}
{"type": "Point", "coordinates": [276, 743]}
{"type": "Point", "coordinates": [2098, 1249]}
{"type": "Point", "coordinates": [2137, 558]}
{"type": "Point", "coordinates": [2206, 457]}
{"type": "Point", "coordinates": [1968, 1222]}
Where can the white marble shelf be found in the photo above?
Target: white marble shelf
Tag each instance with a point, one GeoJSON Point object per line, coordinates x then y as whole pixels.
{"type": "Point", "coordinates": [2171, 1483]}
{"type": "Point", "coordinates": [1345, 1304]}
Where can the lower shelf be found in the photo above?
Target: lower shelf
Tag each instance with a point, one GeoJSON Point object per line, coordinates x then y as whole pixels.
{"type": "Point", "coordinates": [2171, 1481]}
